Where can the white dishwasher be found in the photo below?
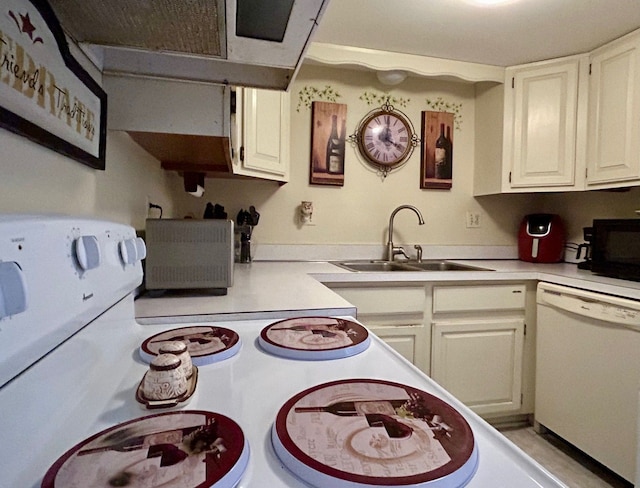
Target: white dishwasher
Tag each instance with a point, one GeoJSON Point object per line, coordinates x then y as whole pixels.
{"type": "Point", "coordinates": [588, 373]}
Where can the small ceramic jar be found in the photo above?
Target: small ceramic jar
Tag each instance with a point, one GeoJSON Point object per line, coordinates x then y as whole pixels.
{"type": "Point", "coordinates": [179, 348]}
{"type": "Point", "coordinates": [165, 379]}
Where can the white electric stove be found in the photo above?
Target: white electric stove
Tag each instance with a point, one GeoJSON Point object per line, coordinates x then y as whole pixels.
{"type": "Point", "coordinates": [71, 362]}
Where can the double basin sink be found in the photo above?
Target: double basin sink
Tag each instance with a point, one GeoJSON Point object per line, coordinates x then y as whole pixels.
{"type": "Point", "coordinates": [425, 265]}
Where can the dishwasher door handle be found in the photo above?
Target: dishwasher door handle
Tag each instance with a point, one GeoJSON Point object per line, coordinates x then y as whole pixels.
{"type": "Point", "coordinates": [563, 301]}
{"type": "Point", "coordinates": [612, 310]}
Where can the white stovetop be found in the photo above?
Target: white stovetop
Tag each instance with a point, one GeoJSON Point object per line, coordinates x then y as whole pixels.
{"type": "Point", "coordinates": [269, 289]}
{"type": "Point", "coordinates": [250, 388]}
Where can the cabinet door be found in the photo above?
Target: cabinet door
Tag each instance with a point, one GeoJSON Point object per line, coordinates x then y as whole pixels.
{"type": "Point", "coordinates": [396, 315]}
{"type": "Point", "coordinates": [407, 340]}
{"type": "Point", "coordinates": [540, 128]}
{"type": "Point", "coordinates": [261, 135]}
{"type": "Point", "coordinates": [614, 114]}
{"type": "Point", "coordinates": [480, 362]}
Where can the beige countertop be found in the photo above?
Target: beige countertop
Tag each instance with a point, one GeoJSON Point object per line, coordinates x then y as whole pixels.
{"type": "Point", "coordinates": [277, 289]}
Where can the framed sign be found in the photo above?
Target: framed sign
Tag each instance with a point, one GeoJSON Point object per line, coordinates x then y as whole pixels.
{"type": "Point", "coordinates": [45, 95]}
{"type": "Point", "coordinates": [436, 161]}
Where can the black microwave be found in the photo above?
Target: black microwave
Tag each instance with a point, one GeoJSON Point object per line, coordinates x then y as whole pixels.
{"type": "Point", "coordinates": [615, 248]}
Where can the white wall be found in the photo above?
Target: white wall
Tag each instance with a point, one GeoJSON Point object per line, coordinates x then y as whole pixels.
{"type": "Point", "coordinates": [35, 179]}
{"type": "Point", "coordinates": [358, 212]}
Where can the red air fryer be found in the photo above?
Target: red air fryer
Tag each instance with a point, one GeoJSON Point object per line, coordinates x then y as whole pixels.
{"type": "Point", "coordinates": [541, 239]}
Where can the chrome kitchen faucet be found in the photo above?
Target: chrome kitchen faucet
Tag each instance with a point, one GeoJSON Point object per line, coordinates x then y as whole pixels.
{"type": "Point", "coordinates": [392, 250]}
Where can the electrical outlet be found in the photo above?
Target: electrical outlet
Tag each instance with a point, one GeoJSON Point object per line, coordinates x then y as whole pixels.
{"type": "Point", "coordinates": [473, 220]}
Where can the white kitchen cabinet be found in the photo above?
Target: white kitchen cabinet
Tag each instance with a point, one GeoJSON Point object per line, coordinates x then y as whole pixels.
{"type": "Point", "coordinates": [613, 154]}
{"type": "Point", "coordinates": [541, 124]}
{"type": "Point", "coordinates": [395, 314]}
{"type": "Point", "coordinates": [469, 337]}
{"type": "Point", "coordinates": [531, 130]}
{"type": "Point", "coordinates": [404, 339]}
{"type": "Point", "coordinates": [260, 134]}
{"type": "Point", "coordinates": [480, 362]}
{"type": "Point", "coordinates": [478, 345]}
{"type": "Point", "coordinates": [543, 141]}
{"type": "Point", "coordinates": [569, 124]}
{"type": "Point", "coordinates": [195, 130]}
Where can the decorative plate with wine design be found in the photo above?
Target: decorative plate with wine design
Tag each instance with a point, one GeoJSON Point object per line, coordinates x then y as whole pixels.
{"type": "Point", "coordinates": [206, 344]}
{"type": "Point", "coordinates": [314, 338]}
{"type": "Point", "coordinates": [191, 449]}
{"type": "Point", "coordinates": [366, 432]}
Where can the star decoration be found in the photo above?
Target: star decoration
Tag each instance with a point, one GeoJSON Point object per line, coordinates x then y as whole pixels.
{"type": "Point", "coordinates": [27, 27]}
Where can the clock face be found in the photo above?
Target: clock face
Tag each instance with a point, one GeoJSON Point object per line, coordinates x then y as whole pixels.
{"type": "Point", "coordinates": [385, 138]}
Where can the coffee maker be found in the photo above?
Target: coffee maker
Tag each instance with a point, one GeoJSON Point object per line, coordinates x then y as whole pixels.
{"type": "Point", "coordinates": [587, 233]}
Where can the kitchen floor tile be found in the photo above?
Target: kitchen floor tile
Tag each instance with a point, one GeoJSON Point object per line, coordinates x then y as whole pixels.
{"type": "Point", "coordinates": [570, 465]}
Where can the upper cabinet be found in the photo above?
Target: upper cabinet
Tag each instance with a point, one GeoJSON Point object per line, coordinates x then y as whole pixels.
{"type": "Point", "coordinates": [204, 129]}
{"type": "Point", "coordinates": [614, 114]}
{"type": "Point", "coordinates": [233, 42]}
{"type": "Point", "coordinates": [260, 134]}
{"type": "Point", "coordinates": [541, 121]}
{"type": "Point", "coordinates": [569, 124]}
{"type": "Point", "coordinates": [544, 129]}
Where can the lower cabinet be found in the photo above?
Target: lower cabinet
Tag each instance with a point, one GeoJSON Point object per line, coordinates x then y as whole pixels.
{"type": "Point", "coordinates": [470, 337]}
{"type": "Point", "coordinates": [480, 362]}
{"type": "Point", "coordinates": [478, 345]}
{"type": "Point", "coordinates": [407, 340]}
{"type": "Point", "coordinates": [396, 315]}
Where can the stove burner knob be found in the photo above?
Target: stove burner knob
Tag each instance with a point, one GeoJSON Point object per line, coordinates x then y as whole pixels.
{"type": "Point", "coordinates": [87, 252]}
{"type": "Point", "coordinates": [13, 289]}
{"type": "Point", "coordinates": [141, 248]}
{"type": "Point", "coordinates": [128, 251]}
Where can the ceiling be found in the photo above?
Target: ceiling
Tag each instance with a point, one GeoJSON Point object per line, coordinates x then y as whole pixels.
{"type": "Point", "coordinates": [515, 32]}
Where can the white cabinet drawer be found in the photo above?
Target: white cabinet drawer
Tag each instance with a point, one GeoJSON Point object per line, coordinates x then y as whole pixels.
{"type": "Point", "coordinates": [385, 300]}
{"type": "Point", "coordinates": [482, 297]}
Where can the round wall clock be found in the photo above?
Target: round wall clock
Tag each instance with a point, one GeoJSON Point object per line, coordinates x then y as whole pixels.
{"type": "Point", "coordinates": [385, 138]}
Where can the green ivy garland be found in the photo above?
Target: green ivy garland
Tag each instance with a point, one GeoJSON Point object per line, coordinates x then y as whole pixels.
{"type": "Point", "coordinates": [440, 105]}
{"type": "Point", "coordinates": [380, 99]}
{"type": "Point", "coordinates": [310, 93]}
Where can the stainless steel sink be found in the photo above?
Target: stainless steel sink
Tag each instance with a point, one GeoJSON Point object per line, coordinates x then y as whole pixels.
{"type": "Point", "coordinates": [444, 266]}
{"type": "Point", "coordinates": [376, 266]}
{"type": "Point", "coordinates": [425, 265]}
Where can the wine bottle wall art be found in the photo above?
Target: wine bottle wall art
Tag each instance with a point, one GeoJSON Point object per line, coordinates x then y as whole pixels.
{"type": "Point", "coordinates": [328, 134]}
{"type": "Point", "coordinates": [436, 158]}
